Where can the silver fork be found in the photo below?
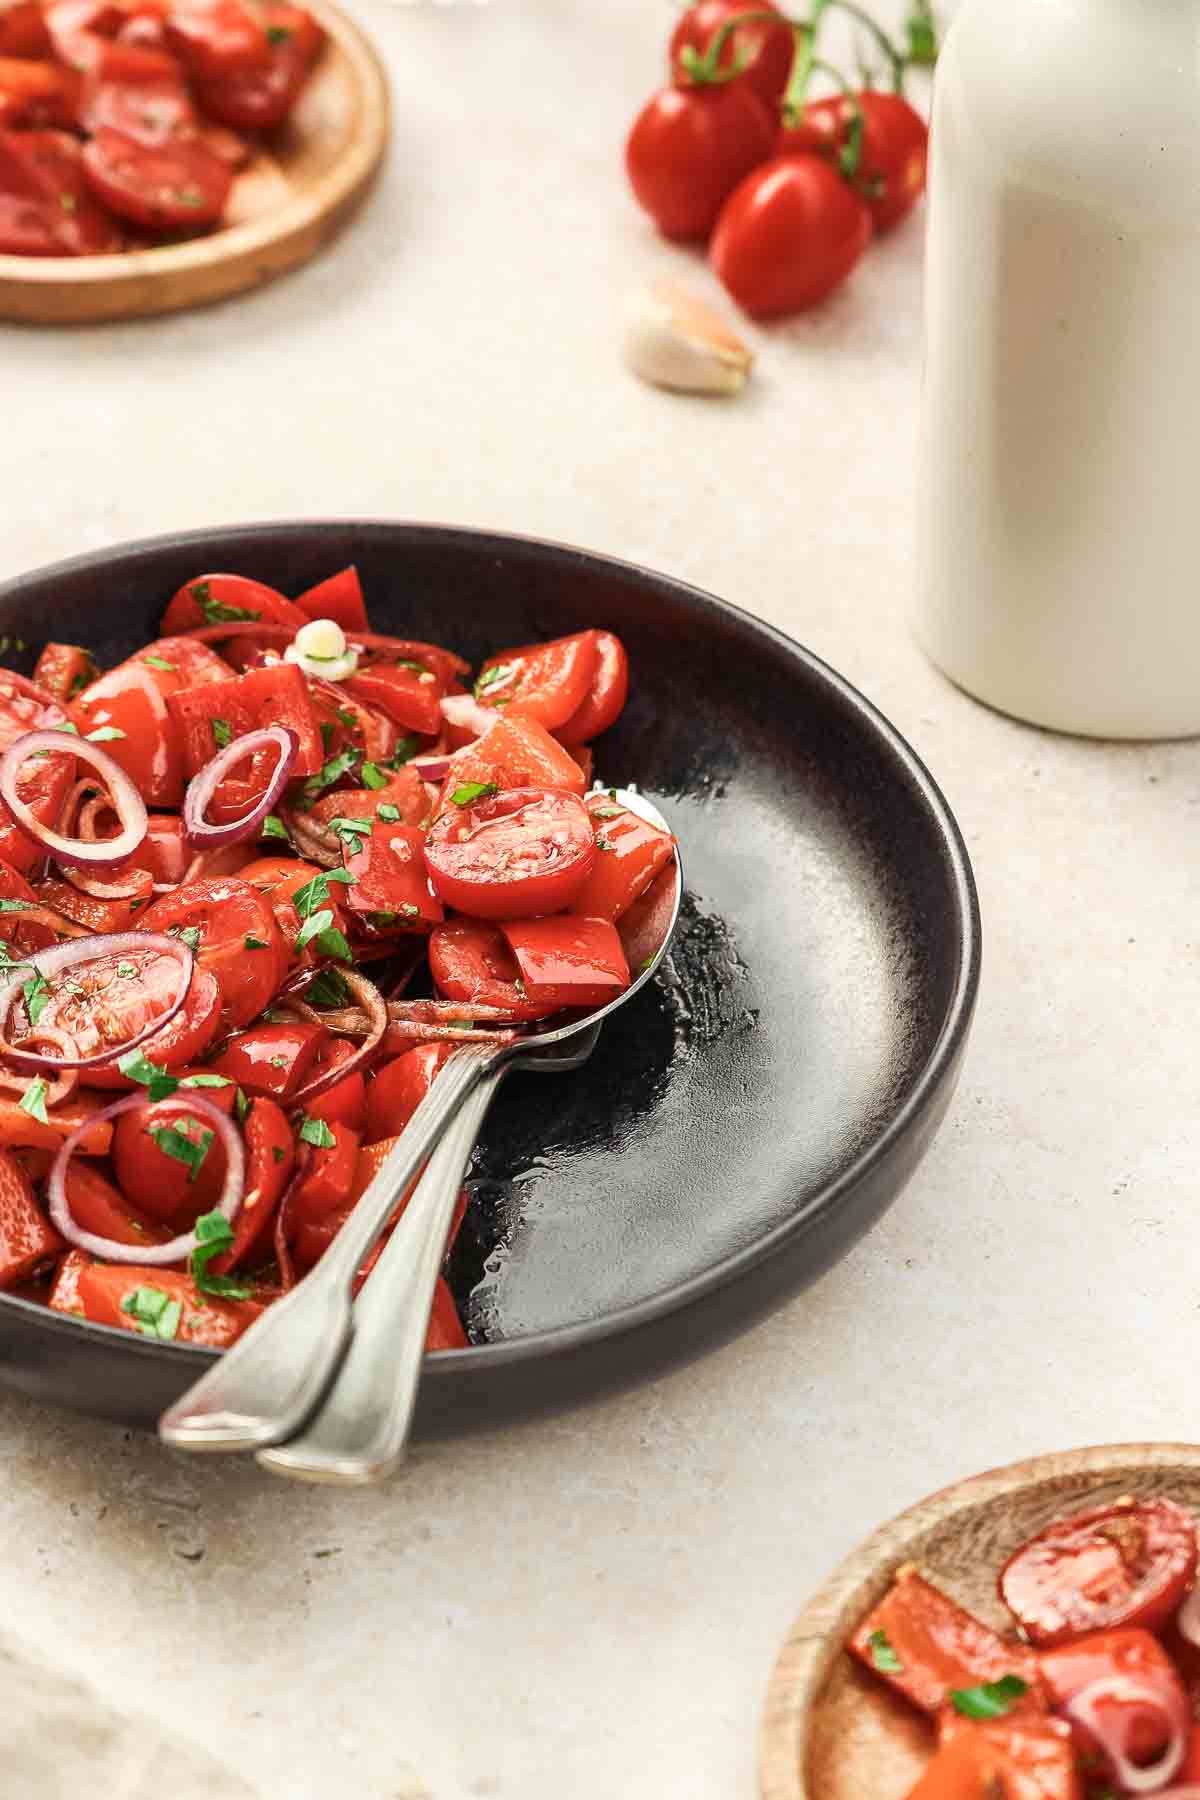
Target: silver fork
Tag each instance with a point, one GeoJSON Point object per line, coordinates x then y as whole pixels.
{"type": "Point", "coordinates": [275, 1377]}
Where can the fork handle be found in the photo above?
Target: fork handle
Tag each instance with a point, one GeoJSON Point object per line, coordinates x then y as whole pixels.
{"type": "Point", "coordinates": [264, 1388]}
{"type": "Point", "coordinates": [358, 1434]}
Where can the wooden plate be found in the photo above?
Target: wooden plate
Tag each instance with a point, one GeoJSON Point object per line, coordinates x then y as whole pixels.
{"type": "Point", "coordinates": [283, 208]}
{"type": "Point", "coordinates": [829, 1731]}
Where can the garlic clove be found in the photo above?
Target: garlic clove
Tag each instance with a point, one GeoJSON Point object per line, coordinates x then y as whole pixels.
{"type": "Point", "coordinates": [673, 340]}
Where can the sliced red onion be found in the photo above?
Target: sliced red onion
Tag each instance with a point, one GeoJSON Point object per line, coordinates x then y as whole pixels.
{"type": "Point", "coordinates": [56, 923]}
{"type": "Point", "coordinates": [60, 957]}
{"type": "Point", "coordinates": [465, 712]}
{"type": "Point", "coordinates": [1112, 1735]}
{"type": "Point", "coordinates": [1188, 1618]}
{"type": "Point", "coordinates": [374, 1006]}
{"type": "Point", "coordinates": [125, 889]}
{"type": "Point", "coordinates": [431, 768]}
{"type": "Point", "coordinates": [196, 802]}
{"type": "Point", "coordinates": [44, 698]}
{"type": "Point", "coordinates": [150, 1255]}
{"type": "Point", "coordinates": [127, 803]}
{"type": "Point", "coordinates": [63, 1085]}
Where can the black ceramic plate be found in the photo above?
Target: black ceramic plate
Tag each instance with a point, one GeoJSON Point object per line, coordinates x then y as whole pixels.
{"type": "Point", "coordinates": [744, 1120]}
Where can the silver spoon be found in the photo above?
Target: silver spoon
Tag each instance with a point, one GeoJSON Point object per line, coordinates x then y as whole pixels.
{"type": "Point", "coordinates": [264, 1389]}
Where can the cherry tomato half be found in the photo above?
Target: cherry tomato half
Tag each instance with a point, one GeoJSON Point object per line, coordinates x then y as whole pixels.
{"type": "Point", "coordinates": [788, 236]}
{"type": "Point", "coordinates": [218, 917]}
{"type": "Point", "coordinates": [607, 696]}
{"type": "Point", "coordinates": [166, 187]}
{"type": "Point", "coordinates": [227, 600]}
{"type": "Point", "coordinates": [895, 147]}
{"type": "Point", "coordinates": [511, 855]}
{"type": "Point", "coordinates": [258, 99]}
{"type": "Point", "coordinates": [764, 50]}
{"type": "Point", "coordinates": [1129, 1563]}
{"type": "Point", "coordinates": [169, 1162]}
{"type": "Point", "coordinates": [180, 1042]}
{"type": "Point", "coordinates": [688, 150]}
{"type": "Point", "coordinates": [108, 998]}
{"type": "Point", "coordinates": [46, 206]}
{"type": "Point", "coordinates": [396, 1090]}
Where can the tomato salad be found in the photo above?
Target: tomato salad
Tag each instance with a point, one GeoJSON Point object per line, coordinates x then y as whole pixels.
{"type": "Point", "coordinates": [257, 882]}
{"type": "Point", "coordinates": [124, 122]}
{"type": "Point", "coordinates": [1094, 1697]}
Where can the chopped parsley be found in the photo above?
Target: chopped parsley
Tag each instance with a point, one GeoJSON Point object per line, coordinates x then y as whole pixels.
{"type": "Point", "coordinates": [603, 843]}
{"type": "Point", "coordinates": [278, 1062]}
{"type": "Point", "coordinates": [104, 734]}
{"type": "Point", "coordinates": [241, 1106]}
{"type": "Point", "coordinates": [126, 970]}
{"type": "Point", "coordinates": [215, 611]}
{"type": "Point", "coordinates": [37, 995]}
{"type": "Point", "coordinates": [315, 893]}
{"type": "Point", "coordinates": [406, 749]}
{"type": "Point", "coordinates": [255, 943]}
{"type": "Point", "coordinates": [499, 672]}
{"type": "Point", "coordinates": [214, 1235]}
{"type": "Point", "coordinates": [177, 1145]}
{"type": "Point", "coordinates": [332, 771]}
{"type": "Point", "coordinates": [15, 905]}
{"type": "Point", "coordinates": [316, 1131]}
{"type": "Point", "coordinates": [278, 34]}
{"type": "Point", "coordinates": [274, 828]}
{"type": "Point", "coordinates": [277, 1153]}
{"type": "Point", "coordinates": [222, 732]}
{"type": "Point", "coordinates": [187, 934]}
{"type": "Point", "coordinates": [346, 718]}
{"type": "Point", "coordinates": [326, 733]}
{"type": "Point", "coordinates": [328, 989]}
{"type": "Point", "coordinates": [158, 662]}
{"type": "Point", "coordinates": [389, 814]}
{"type": "Point", "coordinates": [882, 1654]}
{"type": "Point", "coordinates": [468, 792]}
{"type": "Point", "coordinates": [33, 1100]}
{"type": "Point", "coordinates": [990, 1700]}
{"type": "Point", "coordinates": [606, 812]}
{"type": "Point", "coordinates": [320, 929]}
{"type": "Point", "coordinates": [153, 1312]}
{"type": "Point", "coordinates": [351, 831]}
{"type": "Point", "coordinates": [373, 776]}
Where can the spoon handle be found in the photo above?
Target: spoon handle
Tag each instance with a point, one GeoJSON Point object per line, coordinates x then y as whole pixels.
{"type": "Point", "coordinates": [358, 1434]}
{"type": "Point", "coordinates": [264, 1388]}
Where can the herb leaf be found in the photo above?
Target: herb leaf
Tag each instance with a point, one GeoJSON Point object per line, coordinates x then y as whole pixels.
{"type": "Point", "coordinates": [37, 995]}
{"type": "Point", "coordinates": [468, 792]}
{"type": "Point", "coordinates": [157, 662]}
{"type": "Point", "coordinates": [882, 1654]}
{"type": "Point", "coordinates": [255, 943]}
{"type": "Point", "coordinates": [389, 814]}
{"type": "Point", "coordinates": [105, 734]}
{"type": "Point", "coordinates": [316, 1131]}
{"type": "Point", "coordinates": [33, 1100]}
{"type": "Point", "coordinates": [315, 893]}
{"type": "Point", "coordinates": [332, 771]}
{"type": "Point", "coordinates": [154, 1313]}
{"type": "Point", "coordinates": [991, 1699]}
{"type": "Point", "coordinates": [222, 732]}
{"type": "Point", "coordinates": [214, 1235]}
{"type": "Point", "coordinates": [274, 828]}
{"type": "Point", "coordinates": [328, 989]}
{"type": "Point", "coordinates": [215, 611]}
{"type": "Point", "coordinates": [177, 1145]}
{"type": "Point", "coordinates": [499, 672]}
{"type": "Point", "coordinates": [373, 776]}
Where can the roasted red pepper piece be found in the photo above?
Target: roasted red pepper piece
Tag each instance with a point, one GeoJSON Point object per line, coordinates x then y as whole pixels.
{"type": "Point", "coordinates": [396, 1090]}
{"type": "Point", "coordinates": [344, 1103]}
{"type": "Point", "coordinates": [270, 1060]}
{"type": "Point", "coordinates": [273, 696]}
{"type": "Point", "coordinates": [937, 1645]}
{"type": "Point", "coordinates": [1012, 1759]}
{"type": "Point", "coordinates": [566, 961]}
{"type": "Point", "coordinates": [329, 1180]}
{"type": "Point", "coordinates": [64, 670]}
{"type": "Point", "coordinates": [27, 1238]}
{"type": "Point", "coordinates": [391, 886]}
{"type": "Point", "coordinates": [408, 695]}
{"type": "Point", "coordinates": [106, 1291]}
{"type": "Point", "coordinates": [630, 854]}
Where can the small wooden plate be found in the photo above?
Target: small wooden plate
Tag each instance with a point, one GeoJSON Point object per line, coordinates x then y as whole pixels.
{"type": "Point", "coordinates": [829, 1731]}
{"type": "Point", "coordinates": [283, 207]}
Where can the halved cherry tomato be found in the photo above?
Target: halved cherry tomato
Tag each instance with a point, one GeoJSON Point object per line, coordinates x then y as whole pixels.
{"type": "Point", "coordinates": [270, 1156]}
{"type": "Point", "coordinates": [1013, 1759]}
{"type": "Point", "coordinates": [261, 98]}
{"type": "Point", "coordinates": [27, 1238]}
{"type": "Point", "coordinates": [271, 1060]}
{"type": "Point", "coordinates": [274, 696]}
{"type": "Point", "coordinates": [100, 915]}
{"type": "Point", "coordinates": [346, 1102]}
{"type": "Point", "coordinates": [38, 94]}
{"type": "Point", "coordinates": [46, 206]}
{"type": "Point", "coordinates": [567, 961]}
{"type": "Point", "coordinates": [1129, 1653]}
{"type": "Point", "coordinates": [218, 39]}
{"type": "Point", "coordinates": [391, 886]}
{"type": "Point", "coordinates": [936, 1646]}
{"type": "Point", "coordinates": [763, 50]}
{"type": "Point", "coordinates": [97, 1206]}
{"type": "Point", "coordinates": [180, 1042]}
{"type": "Point", "coordinates": [176, 186]}
{"type": "Point", "coordinates": [227, 599]}
{"type": "Point", "coordinates": [105, 1293]}
{"type": "Point", "coordinates": [106, 998]}
{"type": "Point", "coordinates": [788, 235]}
{"type": "Point", "coordinates": [23, 29]}
{"type": "Point", "coordinates": [630, 853]}
{"type": "Point", "coordinates": [222, 914]}
{"type": "Point", "coordinates": [688, 150]}
{"type": "Point", "coordinates": [471, 961]}
{"type": "Point", "coordinates": [340, 598]}
{"type": "Point", "coordinates": [43, 783]}
{"type": "Point", "coordinates": [895, 147]}
{"type": "Point", "coordinates": [514, 753]}
{"type": "Point", "coordinates": [409, 695]}
{"type": "Point", "coordinates": [131, 700]}
{"type": "Point", "coordinates": [396, 1090]}
{"type": "Point", "coordinates": [328, 1181]}
{"type": "Point", "coordinates": [546, 682]}
{"type": "Point", "coordinates": [64, 670]}
{"type": "Point", "coordinates": [170, 1162]}
{"type": "Point", "coordinates": [1127, 1563]}
{"type": "Point", "coordinates": [511, 855]}
{"type": "Point", "coordinates": [606, 698]}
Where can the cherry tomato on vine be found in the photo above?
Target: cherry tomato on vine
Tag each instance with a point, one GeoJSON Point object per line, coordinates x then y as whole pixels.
{"type": "Point", "coordinates": [764, 49]}
{"type": "Point", "coordinates": [895, 142]}
{"type": "Point", "coordinates": [689, 148]}
{"type": "Point", "coordinates": [788, 236]}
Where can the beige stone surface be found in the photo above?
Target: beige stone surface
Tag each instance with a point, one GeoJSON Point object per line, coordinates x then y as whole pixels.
{"type": "Point", "coordinates": [590, 1606]}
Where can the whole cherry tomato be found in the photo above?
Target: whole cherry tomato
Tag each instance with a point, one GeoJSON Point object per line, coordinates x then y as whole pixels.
{"type": "Point", "coordinates": [895, 143]}
{"type": "Point", "coordinates": [764, 49]}
{"type": "Point", "coordinates": [689, 148]}
{"type": "Point", "coordinates": [788, 236]}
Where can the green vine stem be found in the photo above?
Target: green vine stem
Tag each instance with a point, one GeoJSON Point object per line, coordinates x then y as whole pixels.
{"type": "Point", "coordinates": [896, 58]}
{"type": "Point", "coordinates": [849, 154]}
{"type": "Point", "coordinates": [705, 70]}
{"type": "Point", "coordinates": [803, 64]}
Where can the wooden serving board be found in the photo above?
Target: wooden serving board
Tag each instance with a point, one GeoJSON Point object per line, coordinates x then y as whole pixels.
{"type": "Point", "coordinates": [283, 207]}
{"type": "Point", "coordinates": [831, 1732]}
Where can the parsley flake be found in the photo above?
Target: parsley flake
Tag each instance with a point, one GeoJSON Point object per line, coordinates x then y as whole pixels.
{"type": "Point", "coordinates": [316, 1131]}
{"type": "Point", "coordinates": [373, 776]}
{"type": "Point", "coordinates": [990, 1700]}
{"type": "Point", "coordinates": [222, 732]}
{"type": "Point", "coordinates": [214, 1235]}
{"type": "Point", "coordinates": [37, 995]}
{"type": "Point", "coordinates": [105, 734]}
{"type": "Point", "coordinates": [33, 1100]}
{"type": "Point", "coordinates": [389, 814]}
{"type": "Point", "coordinates": [468, 792]}
{"type": "Point", "coordinates": [180, 1148]}
{"type": "Point", "coordinates": [158, 662]}
{"type": "Point", "coordinates": [882, 1654]}
{"type": "Point", "coordinates": [274, 828]}
{"type": "Point", "coordinates": [154, 1313]}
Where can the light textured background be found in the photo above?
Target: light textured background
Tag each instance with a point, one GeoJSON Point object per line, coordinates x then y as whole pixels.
{"type": "Point", "coordinates": [590, 1606]}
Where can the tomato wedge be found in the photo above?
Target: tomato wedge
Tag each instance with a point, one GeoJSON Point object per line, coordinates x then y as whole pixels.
{"type": "Point", "coordinates": [97, 1206]}
{"type": "Point", "coordinates": [344, 1103]}
{"type": "Point", "coordinates": [329, 1179]}
{"type": "Point", "coordinates": [43, 784]}
{"type": "Point", "coordinates": [228, 600]}
{"type": "Point", "coordinates": [340, 598]}
{"type": "Point", "coordinates": [923, 1644]}
{"type": "Point", "coordinates": [630, 854]}
{"type": "Point", "coordinates": [546, 682]}
{"type": "Point", "coordinates": [209, 716]}
{"type": "Point", "coordinates": [130, 703]}
{"type": "Point", "coordinates": [258, 99]}
{"type": "Point", "coordinates": [515, 753]}
{"type": "Point", "coordinates": [567, 961]}
{"type": "Point", "coordinates": [23, 30]}
{"type": "Point", "coordinates": [99, 915]}
{"type": "Point", "coordinates": [218, 39]}
{"type": "Point", "coordinates": [63, 670]}
{"type": "Point", "coordinates": [27, 1238]}
{"type": "Point", "coordinates": [1128, 1563]}
{"type": "Point", "coordinates": [408, 693]}
{"type": "Point", "coordinates": [176, 186]}
{"type": "Point", "coordinates": [510, 855]}
{"type": "Point", "coordinates": [46, 206]}
{"type": "Point", "coordinates": [217, 917]}
{"type": "Point", "coordinates": [607, 695]}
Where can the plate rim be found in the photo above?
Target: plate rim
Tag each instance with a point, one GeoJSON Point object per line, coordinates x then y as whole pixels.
{"type": "Point", "coordinates": [126, 271]}
{"type": "Point", "coordinates": [483, 1360]}
{"type": "Point", "coordinates": [819, 1632]}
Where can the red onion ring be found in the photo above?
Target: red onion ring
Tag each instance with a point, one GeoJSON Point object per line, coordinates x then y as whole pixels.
{"type": "Point", "coordinates": [149, 1255]}
{"type": "Point", "coordinates": [1112, 1736]}
{"type": "Point", "coordinates": [49, 963]}
{"type": "Point", "coordinates": [104, 890]}
{"type": "Point", "coordinates": [465, 712]}
{"type": "Point", "coordinates": [197, 828]}
{"type": "Point", "coordinates": [42, 695]}
{"type": "Point", "coordinates": [128, 804]}
{"type": "Point", "coordinates": [63, 1086]}
{"type": "Point", "coordinates": [431, 768]}
{"type": "Point", "coordinates": [375, 1008]}
{"type": "Point", "coordinates": [283, 1220]}
{"type": "Point", "coordinates": [56, 922]}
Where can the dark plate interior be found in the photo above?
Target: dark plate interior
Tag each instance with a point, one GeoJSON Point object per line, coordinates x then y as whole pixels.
{"type": "Point", "coordinates": [743, 1120]}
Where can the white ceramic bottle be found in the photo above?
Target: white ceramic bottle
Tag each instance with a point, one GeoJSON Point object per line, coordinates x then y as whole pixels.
{"type": "Point", "coordinates": [1059, 502]}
